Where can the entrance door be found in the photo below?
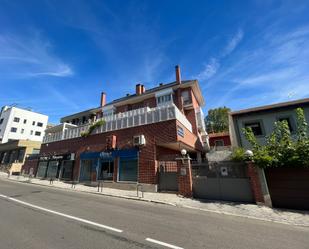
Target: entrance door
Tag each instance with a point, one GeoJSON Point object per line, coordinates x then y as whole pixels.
{"type": "Point", "coordinates": [67, 170]}
{"type": "Point", "coordinates": [128, 169]}
{"type": "Point", "coordinates": [168, 176]}
{"type": "Point", "coordinates": [85, 171]}
{"type": "Point", "coordinates": [107, 170]}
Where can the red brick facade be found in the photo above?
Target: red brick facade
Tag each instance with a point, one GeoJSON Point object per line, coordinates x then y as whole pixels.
{"type": "Point", "coordinates": [155, 135]}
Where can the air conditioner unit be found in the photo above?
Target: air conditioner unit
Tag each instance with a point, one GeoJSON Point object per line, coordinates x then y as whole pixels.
{"type": "Point", "coordinates": [139, 140]}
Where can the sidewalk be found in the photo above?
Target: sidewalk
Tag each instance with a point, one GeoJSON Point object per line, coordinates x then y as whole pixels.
{"type": "Point", "coordinates": [291, 217]}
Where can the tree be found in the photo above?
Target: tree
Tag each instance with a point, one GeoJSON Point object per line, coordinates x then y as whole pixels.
{"type": "Point", "coordinates": [217, 119]}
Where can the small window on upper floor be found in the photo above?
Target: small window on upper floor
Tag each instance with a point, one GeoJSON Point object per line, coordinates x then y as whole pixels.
{"type": "Point", "coordinates": [186, 97]}
{"type": "Point", "coordinates": [16, 119]}
{"type": "Point", "coordinates": [25, 121]}
{"type": "Point", "coordinates": [256, 127]}
{"type": "Point", "coordinates": [289, 121]}
{"type": "Point", "coordinates": [22, 131]}
{"type": "Point", "coordinates": [37, 133]}
{"type": "Point", "coordinates": [39, 124]}
{"type": "Point", "coordinates": [13, 129]}
{"type": "Point", "coordinates": [31, 132]}
{"type": "Point", "coordinates": [164, 99]}
{"type": "Point", "coordinates": [1, 121]}
{"type": "Point", "coordinates": [33, 122]}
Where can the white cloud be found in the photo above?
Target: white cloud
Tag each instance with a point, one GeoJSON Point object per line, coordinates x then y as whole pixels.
{"type": "Point", "coordinates": [233, 43]}
{"type": "Point", "coordinates": [273, 68]}
{"type": "Point", "coordinates": [29, 56]}
{"type": "Point", "coordinates": [209, 70]}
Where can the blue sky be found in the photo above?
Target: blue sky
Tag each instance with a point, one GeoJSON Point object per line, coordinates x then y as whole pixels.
{"type": "Point", "coordinates": [57, 56]}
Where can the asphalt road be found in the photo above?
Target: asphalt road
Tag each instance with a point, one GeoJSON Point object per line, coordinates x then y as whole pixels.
{"type": "Point", "coordinates": [32, 216]}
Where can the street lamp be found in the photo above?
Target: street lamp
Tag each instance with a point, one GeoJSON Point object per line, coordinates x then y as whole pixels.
{"type": "Point", "coordinates": [248, 153]}
{"type": "Point", "coordinates": [183, 152]}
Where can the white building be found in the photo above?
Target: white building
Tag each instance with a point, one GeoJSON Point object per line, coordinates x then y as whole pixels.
{"type": "Point", "coordinates": [17, 123]}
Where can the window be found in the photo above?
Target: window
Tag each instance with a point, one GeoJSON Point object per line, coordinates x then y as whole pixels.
{"type": "Point", "coordinates": [164, 99]}
{"type": "Point", "coordinates": [219, 142]}
{"type": "Point", "coordinates": [289, 121]}
{"type": "Point", "coordinates": [31, 132]}
{"type": "Point", "coordinates": [37, 133]}
{"type": "Point", "coordinates": [39, 124]}
{"type": "Point", "coordinates": [25, 121]}
{"type": "Point", "coordinates": [1, 120]}
{"type": "Point", "coordinates": [22, 131]}
{"type": "Point", "coordinates": [256, 128]}
{"type": "Point", "coordinates": [33, 122]}
{"type": "Point", "coordinates": [16, 120]}
{"type": "Point", "coordinates": [186, 97]}
{"type": "Point", "coordinates": [13, 129]}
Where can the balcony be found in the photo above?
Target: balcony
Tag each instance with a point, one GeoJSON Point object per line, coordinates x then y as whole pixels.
{"type": "Point", "coordinates": [138, 117]}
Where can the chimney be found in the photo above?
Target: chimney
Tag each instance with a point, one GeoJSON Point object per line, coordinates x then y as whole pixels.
{"type": "Point", "coordinates": [178, 75]}
{"type": "Point", "coordinates": [143, 89]}
{"type": "Point", "coordinates": [138, 89]}
{"type": "Point", "coordinates": [103, 99]}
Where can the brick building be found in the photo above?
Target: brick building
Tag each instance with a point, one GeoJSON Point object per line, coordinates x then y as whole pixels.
{"type": "Point", "coordinates": [219, 139]}
{"type": "Point", "coordinates": [139, 132]}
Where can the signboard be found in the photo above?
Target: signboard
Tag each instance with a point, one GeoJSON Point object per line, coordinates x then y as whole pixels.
{"type": "Point", "coordinates": [224, 171]}
{"type": "Point", "coordinates": [58, 157]}
{"type": "Point", "coordinates": [180, 131]}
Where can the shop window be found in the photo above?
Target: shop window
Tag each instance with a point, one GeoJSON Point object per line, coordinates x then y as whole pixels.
{"type": "Point", "coordinates": [67, 170]}
{"type": "Point", "coordinates": [128, 169]}
{"type": "Point", "coordinates": [52, 169]}
{"type": "Point", "coordinates": [85, 171]}
{"type": "Point", "coordinates": [41, 173]}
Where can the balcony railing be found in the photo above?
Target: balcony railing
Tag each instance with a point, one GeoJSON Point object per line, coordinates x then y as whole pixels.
{"type": "Point", "coordinates": [142, 116]}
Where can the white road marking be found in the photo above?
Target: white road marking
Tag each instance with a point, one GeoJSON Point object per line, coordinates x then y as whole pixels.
{"type": "Point", "coordinates": [163, 243]}
{"type": "Point", "coordinates": [63, 215]}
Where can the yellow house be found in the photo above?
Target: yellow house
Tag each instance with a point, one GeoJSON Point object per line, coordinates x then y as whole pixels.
{"type": "Point", "coordinates": [13, 154]}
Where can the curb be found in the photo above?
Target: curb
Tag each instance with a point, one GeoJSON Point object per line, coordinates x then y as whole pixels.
{"type": "Point", "coordinates": [95, 193]}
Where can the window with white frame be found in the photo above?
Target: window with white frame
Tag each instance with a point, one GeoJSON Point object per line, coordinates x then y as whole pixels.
{"type": "Point", "coordinates": [164, 99]}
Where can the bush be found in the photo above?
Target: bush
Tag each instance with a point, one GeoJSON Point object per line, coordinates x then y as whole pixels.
{"type": "Point", "coordinates": [239, 154]}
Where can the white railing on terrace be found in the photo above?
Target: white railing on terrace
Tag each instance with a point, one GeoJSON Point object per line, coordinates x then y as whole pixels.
{"type": "Point", "coordinates": [142, 116]}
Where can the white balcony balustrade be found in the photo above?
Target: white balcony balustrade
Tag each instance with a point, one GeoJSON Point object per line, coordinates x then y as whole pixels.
{"type": "Point", "coordinates": [138, 117]}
